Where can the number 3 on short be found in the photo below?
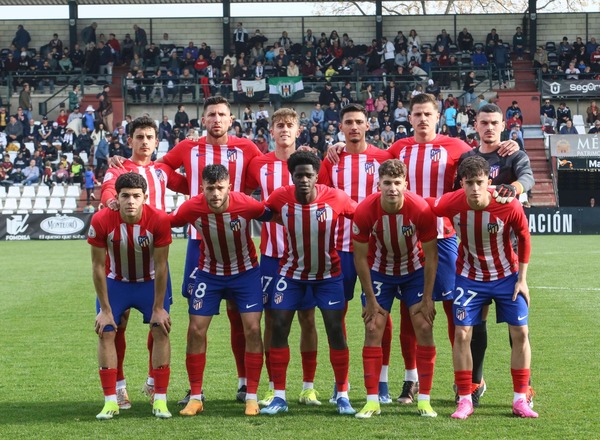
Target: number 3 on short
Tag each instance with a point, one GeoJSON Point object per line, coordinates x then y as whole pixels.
{"type": "Point", "coordinates": [200, 290]}
{"type": "Point", "coordinates": [471, 293]}
{"type": "Point", "coordinates": [281, 285]}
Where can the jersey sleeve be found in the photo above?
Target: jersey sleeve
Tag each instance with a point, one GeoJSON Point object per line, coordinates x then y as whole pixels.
{"type": "Point", "coordinates": [176, 181]}
{"type": "Point", "coordinates": [440, 206]}
{"type": "Point", "coordinates": [252, 181]}
{"type": "Point", "coordinates": [521, 228]}
{"type": "Point", "coordinates": [522, 169]}
{"type": "Point", "coordinates": [276, 200]}
{"type": "Point", "coordinates": [184, 213]}
{"type": "Point", "coordinates": [325, 173]}
{"type": "Point", "coordinates": [348, 205]}
{"type": "Point", "coordinates": [162, 229]}
{"type": "Point", "coordinates": [255, 208]}
{"type": "Point", "coordinates": [426, 221]}
{"type": "Point", "coordinates": [362, 222]}
{"type": "Point", "coordinates": [108, 190]}
{"type": "Point", "coordinates": [174, 158]}
{"type": "Point", "coordinates": [97, 233]}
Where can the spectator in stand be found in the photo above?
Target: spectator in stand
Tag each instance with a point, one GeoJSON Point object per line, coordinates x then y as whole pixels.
{"type": "Point", "coordinates": [501, 59]}
{"type": "Point", "coordinates": [595, 129]}
{"type": "Point", "coordinates": [90, 182]}
{"type": "Point", "coordinates": [592, 112]}
{"type": "Point", "coordinates": [84, 141]}
{"type": "Point", "coordinates": [25, 101]}
{"type": "Point", "coordinates": [327, 95]}
{"type": "Point", "coordinates": [14, 131]}
{"type": "Point", "coordinates": [332, 115]}
{"type": "Point", "coordinates": [240, 39]}
{"type": "Point", "coordinates": [88, 34]}
{"type": "Point", "coordinates": [548, 113]}
{"type": "Point", "coordinates": [465, 41]}
{"type": "Point", "coordinates": [469, 87]}
{"type": "Point", "coordinates": [317, 117]}
{"type": "Point", "coordinates": [31, 173]}
{"type": "Point", "coordinates": [165, 129]}
{"type": "Point", "coordinates": [140, 40]}
{"type": "Point", "coordinates": [568, 128]}
{"type": "Point", "coordinates": [519, 43]}
{"type": "Point", "coordinates": [514, 110]}
{"type": "Point", "coordinates": [136, 64]}
{"type": "Point", "coordinates": [387, 137]}
{"type": "Point", "coordinates": [479, 59]}
{"type": "Point", "coordinates": [414, 39]}
{"type": "Point", "coordinates": [22, 38]}
{"type": "Point", "coordinates": [492, 36]}
{"type": "Point", "coordinates": [565, 52]}
{"type": "Point", "coordinates": [262, 144]}
{"type": "Point", "coordinates": [563, 114]}
{"type": "Point", "coordinates": [101, 156]}
{"type": "Point", "coordinates": [76, 114]}
{"type": "Point", "coordinates": [450, 117]}
{"type": "Point", "coordinates": [181, 120]}
{"type": "Point", "coordinates": [572, 72]}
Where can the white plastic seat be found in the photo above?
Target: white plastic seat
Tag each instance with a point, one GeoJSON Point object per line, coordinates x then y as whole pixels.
{"type": "Point", "coordinates": [43, 191]}
{"type": "Point", "coordinates": [13, 192]}
{"type": "Point", "coordinates": [10, 204]}
{"type": "Point", "coordinates": [54, 204]}
{"type": "Point", "coordinates": [28, 191]}
{"type": "Point", "coordinates": [25, 205]}
{"type": "Point", "coordinates": [39, 205]}
{"type": "Point", "coordinates": [73, 191]}
{"type": "Point", "coordinates": [58, 191]}
{"type": "Point", "coordinates": [578, 120]}
{"type": "Point", "coordinates": [169, 203]}
{"type": "Point", "coordinates": [84, 157]}
{"type": "Point", "coordinates": [70, 203]}
{"type": "Point", "coordinates": [170, 192]}
{"type": "Point", "coordinates": [163, 146]}
{"type": "Point", "coordinates": [30, 146]}
{"type": "Point", "coordinates": [1, 204]}
{"type": "Point", "coordinates": [180, 200]}
{"type": "Point", "coordinates": [2, 192]}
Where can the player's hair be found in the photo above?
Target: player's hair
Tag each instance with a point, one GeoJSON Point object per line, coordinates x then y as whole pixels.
{"type": "Point", "coordinates": [215, 173]}
{"type": "Point", "coordinates": [424, 98]}
{"type": "Point", "coordinates": [215, 100]}
{"type": "Point", "coordinates": [490, 108]}
{"type": "Point", "coordinates": [353, 108]}
{"type": "Point", "coordinates": [131, 180]}
{"type": "Point", "coordinates": [285, 114]}
{"type": "Point", "coordinates": [142, 122]}
{"type": "Point", "coordinates": [473, 166]}
{"type": "Point", "coordinates": [392, 168]}
{"type": "Point", "coordinates": [303, 158]}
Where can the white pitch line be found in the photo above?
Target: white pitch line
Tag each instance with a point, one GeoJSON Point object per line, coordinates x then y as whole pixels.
{"type": "Point", "coordinates": [588, 289]}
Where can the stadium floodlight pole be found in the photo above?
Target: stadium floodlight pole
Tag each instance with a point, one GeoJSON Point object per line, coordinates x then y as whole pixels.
{"type": "Point", "coordinates": [226, 26]}
{"type": "Point", "coordinates": [73, 15]}
{"type": "Point", "coordinates": [379, 20]}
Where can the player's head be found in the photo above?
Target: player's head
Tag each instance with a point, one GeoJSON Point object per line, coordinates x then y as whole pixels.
{"type": "Point", "coordinates": [131, 192]}
{"type": "Point", "coordinates": [474, 174]}
{"type": "Point", "coordinates": [304, 167]}
{"type": "Point", "coordinates": [216, 186]}
{"type": "Point", "coordinates": [354, 123]}
{"type": "Point", "coordinates": [285, 127]}
{"type": "Point", "coordinates": [424, 116]}
{"type": "Point", "coordinates": [392, 180]}
{"type": "Point", "coordinates": [216, 117]}
{"type": "Point", "coordinates": [489, 124]}
{"type": "Point", "coordinates": [143, 137]}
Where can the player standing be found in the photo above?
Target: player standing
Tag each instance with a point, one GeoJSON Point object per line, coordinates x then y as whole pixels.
{"type": "Point", "coordinates": [309, 213]}
{"type": "Point", "coordinates": [228, 268]}
{"type": "Point", "coordinates": [269, 172]}
{"type": "Point", "coordinates": [487, 268]}
{"type": "Point", "coordinates": [395, 252]}
{"type": "Point", "coordinates": [130, 248]}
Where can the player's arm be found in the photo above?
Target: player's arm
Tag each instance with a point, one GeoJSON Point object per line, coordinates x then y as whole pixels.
{"type": "Point", "coordinates": [177, 182]}
{"type": "Point", "coordinates": [426, 306]}
{"type": "Point", "coordinates": [178, 217]}
{"type": "Point", "coordinates": [108, 194]}
{"type": "Point", "coordinates": [334, 151]}
{"type": "Point", "coordinates": [160, 317]}
{"type": "Point", "coordinates": [521, 229]}
{"type": "Point", "coordinates": [521, 286]}
{"type": "Point", "coordinates": [522, 168]}
{"type": "Point", "coordinates": [508, 147]}
{"type": "Point", "coordinates": [105, 316]}
{"type": "Point", "coordinates": [361, 263]}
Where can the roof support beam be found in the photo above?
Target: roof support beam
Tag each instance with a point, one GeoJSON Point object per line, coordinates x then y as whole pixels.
{"type": "Point", "coordinates": [73, 15]}
{"type": "Point", "coordinates": [226, 26]}
{"type": "Point", "coordinates": [378, 20]}
{"type": "Point", "coordinates": [532, 25]}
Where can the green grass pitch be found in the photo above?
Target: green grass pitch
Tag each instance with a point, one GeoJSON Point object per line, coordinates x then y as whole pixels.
{"type": "Point", "coordinates": [49, 385]}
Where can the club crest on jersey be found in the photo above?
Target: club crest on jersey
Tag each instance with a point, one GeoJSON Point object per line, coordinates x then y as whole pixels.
{"type": "Point", "coordinates": [435, 154]}
{"type": "Point", "coordinates": [408, 231]}
{"type": "Point", "coordinates": [143, 240]}
{"type": "Point", "coordinates": [494, 171]}
{"type": "Point", "coordinates": [235, 225]}
{"type": "Point", "coordinates": [492, 228]}
{"type": "Point", "coordinates": [108, 176]}
{"type": "Point", "coordinates": [370, 168]}
{"type": "Point", "coordinates": [278, 298]}
{"type": "Point", "coordinates": [160, 175]}
{"type": "Point", "coordinates": [197, 304]}
{"type": "Point", "coordinates": [461, 314]}
{"type": "Point", "coordinates": [321, 214]}
{"type": "Point", "coordinates": [232, 155]}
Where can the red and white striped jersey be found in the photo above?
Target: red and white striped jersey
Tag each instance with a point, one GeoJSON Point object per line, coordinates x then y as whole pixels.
{"type": "Point", "coordinates": [485, 252]}
{"type": "Point", "coordinates": [158, 176]}
{"type": "Point", "coordinates": [310, 252]}
{"type": "Point", "coordinates": [394, 239]}
{"type": "Point", "coordinates": [268, 173]}
{"type": "Point", "coordinates": [431, 168]}
{"type": "Point", "coordinates": [226, 247]}
{"type": "Point", "coordinates": [195, 155]}
{"type": "Point", "coordinates": [129, 248]}
{"type": "Point", "coordinates": [356, 175]}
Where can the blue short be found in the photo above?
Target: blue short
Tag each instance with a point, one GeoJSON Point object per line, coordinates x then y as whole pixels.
{"type": "Point", "coordinates": [471, 296]}
{"type": "Point", "coordinates": [192, 257]}
{"type": "Point", "coordinates": [349, 273]}
{"type": "Point", "coordinates": [407, 288]}
{"type": "Point", "coordinates": [269, 271]}
{"type": "Point", "coordinates": [243, 288]}
{"type": "Point", "coordinates": [140, 296]}
{"type": "Point", "coordinates": [445, 276]}
{"type": "Point", "coordinates": [289, 293]}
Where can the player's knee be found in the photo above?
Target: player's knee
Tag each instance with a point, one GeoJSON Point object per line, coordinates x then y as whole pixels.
{"type": "Point", "coordinates": [462, 335]}
{"type": "Point", "coordinates": [519, 335]}
{"type": "Point", "coordinates": [306, 318]}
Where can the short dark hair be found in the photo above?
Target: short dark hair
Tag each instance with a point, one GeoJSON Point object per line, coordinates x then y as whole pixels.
{"type": "Point", "coordinates": [352, 108]}
{"type": "Point", "coordinates": [392, 168]}
{"type": "Point", "coordinates": [473, 166]}
{"type": "Point", "coordinates": [131, 180]}
{"type": "Point", "coordinates": [490, 108]}
{"type": "Point", "coordinates": [303, 158]}
{"type": "Point", "coordinates": [215, 100]}
{"type": "Point", "coordinates": [142, 122]}
{"type": "Point", "coordinates": [424, 98]}
{"type": "Point", "coordinates": [214, 173]}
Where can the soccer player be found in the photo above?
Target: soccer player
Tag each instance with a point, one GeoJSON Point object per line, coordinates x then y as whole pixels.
{"type": "Point", "coordinates": [395, 253]}
{"type": "Point", "coordinates": [511, 176]}
{"type": "Point", "coordinates": [269, 172]}
{"type": "Point", "coordinates": [143, 140]}
{"type": "Point", "coordinates": [228, 268]}
{"type": "Point", "coordinates": [356, 174]}
{"type": "Point", "coordinates": [129, 260]}
{"type": "Point", "coordinates": [309, 213]}
{"type": "Point", "coordinates": [488, 268]}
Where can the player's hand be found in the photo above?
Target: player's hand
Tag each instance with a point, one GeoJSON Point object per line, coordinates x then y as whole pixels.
{"type": "Point", "coordinates": [508, 147]}
{"type": "Point", "coordinates": [102, 320]}
{"type": "Point", "coordinates": [370, 312]}
{"type": "Point", "coordinates": [504, 193]}
{"type": "Point", "coordinates": [305, 148]}
{"type": "Point", "coordinates": [522, 288]}
{"type": "Point", "coordinates": [113, 204]}
{"type": "Point", "coordinates": [193, 136]}
{"type": "Point", "coordinates": [161, 319]}
{"type": "Point", "coordinates": [116, 162]}
{"type": "Point", "coordinates": [334, 151]}
{"type": "Point", "coordinates": [427, 308]}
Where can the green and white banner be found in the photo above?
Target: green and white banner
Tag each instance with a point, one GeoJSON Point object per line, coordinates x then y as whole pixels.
{"type": "Point", "coordinates": [289, 88]}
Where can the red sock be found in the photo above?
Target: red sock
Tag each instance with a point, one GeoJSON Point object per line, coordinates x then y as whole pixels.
{"type": "Point", "coordinates": [280, 358]}
{"type": "Point", "coordinates": [425, 365]}
{"type": "Point", "coordinates": [195, 364]}
{"type": "Point", "coordinates": [268, 364]}
{"type": "Point", "coordinates": [386, 341]}
{"type": "Point", "coordinates": [372, 357]}
{"type": "Point", "coordinates": [238, 340]}
{"type": "Point", "coordinates": [309, 365]}
{"type": "Point", "coordinates": [108, 379]}
{"type": "Point", "coordinates": [340, 360]}
{"type": "Point", "coordinates": [520, 379]}
{"type": "Point", "coordinates": [450, 316]}
{"type": "Point", "coordinates": [161, 379]}
{"type": "Point", "coordinates": [150, 345]}
{"type": "Point", "coordinates": [253, 363]}
{"type": "Point", "coordinates": [408, 340]}
{"type": "Point", "coordinates": [462, 379]}
{"type": "Point", "coordinates": [120, 345]}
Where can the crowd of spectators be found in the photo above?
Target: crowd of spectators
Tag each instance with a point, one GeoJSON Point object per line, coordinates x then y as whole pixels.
{"type": "Point", "coordinates": [569, 61]}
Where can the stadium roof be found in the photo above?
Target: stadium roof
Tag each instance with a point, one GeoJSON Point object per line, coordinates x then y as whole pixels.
{"type": "Point", "coordinates": [134, 2]}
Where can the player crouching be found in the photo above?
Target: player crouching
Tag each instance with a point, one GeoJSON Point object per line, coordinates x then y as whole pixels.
{"type": "Point", "coordinates": [130, 248]}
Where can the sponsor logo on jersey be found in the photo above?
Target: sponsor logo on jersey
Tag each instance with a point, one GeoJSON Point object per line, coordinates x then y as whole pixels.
{"type": "Point", "coordinates": [355, 229]}
{"type": "Point", "coordinates": [235, 225]}
{"type": "Point", "coordinates": [108, 176]}
{"type": "Point", "coordinates": [278, 298]}
{"type": "Point", "coordinates": [144, 241]}
{"type": "Point", "coordinates": [92, 232]}
{"type": "Point", "coordinates": [492, 228]}
{"type": "Point", "coordinates": [370, 168]}
{"type": "Point", "coordinates": [435, 154]}
{"type": "Point", "coordinates": [461, 314]}
{"type": "Point", "coordinates": [197, 304]}
{"type": "Point", "coordinates": [232, 155]}
{"type": "Point", "coordinates": [494, 171]}
{"type": "Point", "coordinates": [408, 231]}
{"type": "Point", "coordinates": [321, 214]}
